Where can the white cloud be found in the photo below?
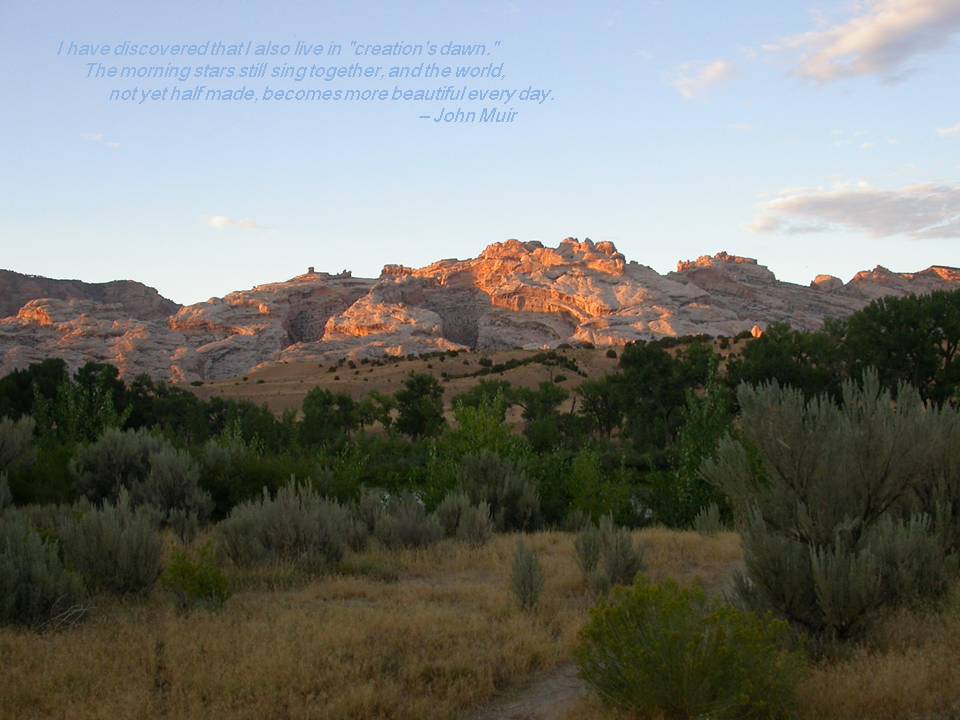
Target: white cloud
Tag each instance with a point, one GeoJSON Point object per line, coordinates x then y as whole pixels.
{"type": "Point", "coordinates": [949, 132]}
{"type": "Point", "coordinates": [740, 127]}
{"type": "Point", "coordinates": [100, 140]}
{"type": "Point", "coordinates": [867, 146]}
{"type": "Point", "coordinates": [693, 79]}
{"type": "Point", "coordinates": [879, 40]}
{"type": "Point", "coordinates": [918, 211]}
{"type": "Point", "coordinates": [222, 222]}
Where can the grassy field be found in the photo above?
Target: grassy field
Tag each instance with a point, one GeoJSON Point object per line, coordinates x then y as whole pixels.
{"type": "Point", "coordinates": [419, 634]}
{"type": "Point", "coordinates": [429, 634]}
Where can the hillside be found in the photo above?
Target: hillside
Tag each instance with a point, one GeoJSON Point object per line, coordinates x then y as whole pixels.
{"type": "Point", "coordinates": [514, 295]}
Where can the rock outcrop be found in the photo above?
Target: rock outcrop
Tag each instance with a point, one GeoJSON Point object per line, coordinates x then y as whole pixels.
{"type": "Point", "coordinates": [514, 294]}
{"type": "Point", "coordinates": [136, 299]}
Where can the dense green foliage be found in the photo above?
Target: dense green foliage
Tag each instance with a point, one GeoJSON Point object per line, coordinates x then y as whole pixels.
{"type": "Point", "coordinates": [195, 582]}
{"type": "Point", "coordinates": [660, 651]}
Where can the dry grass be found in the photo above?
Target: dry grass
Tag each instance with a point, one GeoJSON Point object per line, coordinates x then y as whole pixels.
{"type": "Point", "coordinates": [909, 668]}
{"type": "Point", "coordinates": [408, 634]}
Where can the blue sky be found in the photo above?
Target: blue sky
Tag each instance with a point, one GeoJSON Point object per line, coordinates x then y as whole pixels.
{"type": "Point", "coordinates": [816, 137]}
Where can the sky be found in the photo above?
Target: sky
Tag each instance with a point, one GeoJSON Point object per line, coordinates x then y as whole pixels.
{"type": "Point", "coordinates": [816, 137]}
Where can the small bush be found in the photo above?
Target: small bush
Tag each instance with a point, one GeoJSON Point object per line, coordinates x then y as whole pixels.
{"type": "Point", "coordinates": [708, 520]}
{"type": "Point", "coordinates": [589, 545]}
{"type": "Point", "coordinates": [296, 525]}
{"type": "Point", "coordinates": [475, 526]}
{"type": "Point", "coordinates": [606, 555]}
{"type": "Point", "coordinates": [172, 487]}
{"type": "Point", "coordinates": [660, 651]}
{"type": "Point", "coordinates": [196, 583]}
{"type": "Point", "coordinates": [6, 499]}
{"type": "Point", "coordinates": [450, 511]}
{"type": "Point", "coordinates": [611, 353]}
{"type": "Point", "coordinates": [35, 588]}
{"type": "Point", "coordinates": [370, 506]}
{"type": "Point", "coordinates": [406, 523]}
{"type": "Point", "coordinates": [526, 577]}
{"type": "Point", "coordinates": [114, 548]}
{"type": "Point", "coordinates": [620, 560]}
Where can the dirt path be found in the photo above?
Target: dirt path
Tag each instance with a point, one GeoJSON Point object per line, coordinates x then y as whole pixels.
{"type": "Point", "coordinates": [550, 697]}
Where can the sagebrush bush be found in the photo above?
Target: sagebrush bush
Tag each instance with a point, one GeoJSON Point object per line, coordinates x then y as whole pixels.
{"type": "Point", "coordinates": [6, 499]}
{"type": "Point", "coordinates": [708, 520]}
{"type": "Point", "coordinates": [196, 583]}
{"type": "Point", "coordinates": [513, 499]}
{"type": "Point", "coordinates": [405, 522]}
{"type": "Point", "coordinates": [823, 493]}
{"type": "Point", "coordinates": [606, 554]}
{"type": "Point", "coordinates": [662, 651]}
{"type": "Point", "coordinates": [295, 525]}
{"type": "Point", "coordinates": [114, 548]}
{"type": "Point", "coordinates": [370, 506]}
{"type": "Point", "coordinates": [116, 460]}
{"type": "Point", "coordinates": [475, 526]}
{"type": "Point", "coordinates": [16, 444]}
{"type": "Point", "coordinates": [172, 487]}
{"type": "Point", "coordinates": [35, 587]}
{"type": "Point", "coordinates": [450, 511]}
{"type": "Point", "coordinates": [526, 577]}
{"type": "Point", "coordinates": [619, 559]}
{"type": "Point", "coordinates": [588, 544]}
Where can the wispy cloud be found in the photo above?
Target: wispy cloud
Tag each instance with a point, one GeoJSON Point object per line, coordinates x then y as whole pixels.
{"type": "Point", "coordinates": [918, 211]}
{"type": "Point", "coordinates": [100, 140]}
{"type": "Point", "coordinates": [693, 79]}
{"type": "Point", "coordinates": [222, 222]}
{"type": "Point", "coordinates": [879, 40]}
{"type": "Point", "coordinates": [949, 132]}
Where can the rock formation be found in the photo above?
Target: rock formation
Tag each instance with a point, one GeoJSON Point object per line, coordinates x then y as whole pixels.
{"type": "Point", "coordinates": [514, 294]}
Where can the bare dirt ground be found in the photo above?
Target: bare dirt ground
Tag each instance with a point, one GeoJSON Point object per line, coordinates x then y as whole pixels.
{"type": "Point", "coordinates": [551, 697]}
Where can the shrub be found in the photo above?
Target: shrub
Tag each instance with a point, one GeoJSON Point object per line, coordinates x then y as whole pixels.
{"type": "Point", "coordinates": [196, 583]}
{"type": "Point", "coordinates": [406, 523]}
{"type": "Point", "coordinates": [475, 526]}
{"type": "Point", "coordinates": [114, 548]}
{"type": "Point", "coordinates": [588, 545]}
{"type": "Point", "coordinates": [708, 520]}
{"type": "Point", "coordinates": [35, 588]}
{"type": "Point", "coordinates": [659, 651]}
{"type": "Point", "coordinates": [296, 525]}
{"type": "Point", "coordinates": [450, 511]}
{"type": "Point", "coordinates": [370, 506]}
{"type": "Point", "coordinates": [820, 491]}
{"type": "Point", "coordinates": [172, 487]}
{"type": "Point", "coordinates": [117, 459]}
{"type": "Point", "coordinates": [606, 555]}
{"type": "Point", "coordinates": [526, 577]}
{"type": "Point", "coordinates": [6, 498]}
{"type": "Point", "coordinates": [16, 444]}
{"type": "Point", "coordinates": [513, 499]}
{"type": "Point", "coordinates": [611, 353]}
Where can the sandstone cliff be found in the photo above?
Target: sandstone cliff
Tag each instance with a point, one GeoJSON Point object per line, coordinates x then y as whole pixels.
{"type": "Point", "coordinates": [514, 294]}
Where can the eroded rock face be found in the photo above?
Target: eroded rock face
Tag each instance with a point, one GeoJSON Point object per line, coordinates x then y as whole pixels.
{"type": "Point", "coordinates": [136, 299]}
{"type": "Point", "coordinates": [514, 294]}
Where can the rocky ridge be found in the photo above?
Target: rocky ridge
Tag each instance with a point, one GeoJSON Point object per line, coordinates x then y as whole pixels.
{"type": "Point", "coordinates": [514, 294]}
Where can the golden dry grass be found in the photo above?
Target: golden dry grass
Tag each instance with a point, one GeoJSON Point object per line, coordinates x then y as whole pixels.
{"type": "Point", "coordinates": [426, 634]}
{"type": "Point", "coordinates": [908, 668]}
{"type": "Point", "coordinates": [282, 386]}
